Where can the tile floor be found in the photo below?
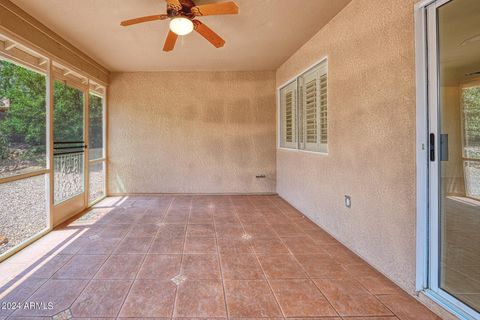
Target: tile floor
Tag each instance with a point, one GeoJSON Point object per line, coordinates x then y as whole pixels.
{"type": "Point", "coordinates": [196, 257]}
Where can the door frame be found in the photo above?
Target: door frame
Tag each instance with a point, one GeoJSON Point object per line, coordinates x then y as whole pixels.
{"type": "Point", "coordinates": [427, 232]}
{"type": "Point", "coordinates": [103, 159]}
{"type": "Point", "coordinates": [68, 208]}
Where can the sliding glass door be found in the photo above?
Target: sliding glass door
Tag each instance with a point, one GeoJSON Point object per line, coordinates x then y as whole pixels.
{"type": "Point", "coordinates": [454, 166]}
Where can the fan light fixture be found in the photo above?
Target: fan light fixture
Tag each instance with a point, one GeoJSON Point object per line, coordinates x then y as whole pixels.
{"type": "Point", "coordinates": [181, 26]}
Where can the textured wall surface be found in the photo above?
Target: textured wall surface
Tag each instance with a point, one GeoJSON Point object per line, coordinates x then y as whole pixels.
{"type": "Point", "coordinates": [370, 50]}
{"type": "Point", "coordinates": [192, 132]}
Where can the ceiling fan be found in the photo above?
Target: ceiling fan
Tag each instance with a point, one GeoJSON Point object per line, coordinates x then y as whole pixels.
{"type": "Point", "coordinates": [183, 14]}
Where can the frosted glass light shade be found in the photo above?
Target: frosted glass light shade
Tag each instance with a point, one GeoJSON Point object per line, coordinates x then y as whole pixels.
{"type": "Point", "coordinates": [181, 26]}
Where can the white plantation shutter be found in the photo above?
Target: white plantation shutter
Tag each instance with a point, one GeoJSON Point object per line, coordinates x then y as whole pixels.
{"type": "Point", "coordinates": [314, 109]}
{"type": "Point", "coordinates": [288, 100]}
{"type": "Point", "coordinates": [311, 112]}
{"type": "Point", "coordinates": [323, 110]}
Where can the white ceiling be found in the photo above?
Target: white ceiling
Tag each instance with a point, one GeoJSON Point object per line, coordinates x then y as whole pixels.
{"type": "Point", "coordinates": [261, 37]}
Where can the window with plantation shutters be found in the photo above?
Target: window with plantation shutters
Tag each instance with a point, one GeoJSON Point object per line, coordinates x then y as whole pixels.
{"type": "Point", "coordinates": [304, 116]}
{"type": "Point", "coordinates": [288, 100]}
{"type": "Point", "coordinates": [313, 105]}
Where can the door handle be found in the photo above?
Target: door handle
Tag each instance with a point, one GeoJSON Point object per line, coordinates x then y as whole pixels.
{"type": "Point", "coordinates": [432, 147]}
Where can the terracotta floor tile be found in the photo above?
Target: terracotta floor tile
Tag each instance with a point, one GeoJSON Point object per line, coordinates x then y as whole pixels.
{"type": "Point", "coordinates": [406, 308]}
{"type": "Point", "coordinates": [252, 218]}
{"type": "Point", "coordinates": [99, 246]}
{"type": "Point", "coordinates": [149, 298]}
{"type": "Point", "coordinates": [230, 219]}
{"type": "Point", "coordinates": [281, 267]}
{"type": "Point", "coordinates": [371, 318]}
{"type": "Point", "coordinates": [287, 230]}
{"type": "Point", "coordinates": [269, 246]}
{"type": "Point", "coordinates": [241, 267]}
{"type": "Point", "coordinates": [234, 246]}
{"type": "Point", "coordinates": [134, 245]}
{"type": "Point", "coordinates": [349, 298]}
{"type": "Point", "coordinates": [151, 219]}
{"type": "Point", "coordinates": [200, 218]}
{"type": "Point", "coordinates": [379, 285]}
{"type": "Point", "coordinates": [200, 298]}
{"type": "Point", "coordinates": [260, 231]}
{"type": "Point", "coordinates": [171, 231]}
{"type": "Point", "coordinates": [321, 266]}
{"type": "Point", "coordinates": [305, 224]}
{"type": "Point", "coordinates": [276, 217]}
{"type": "Point", "coordinates": [61, 293]}
{"type": "Point", "coordinates": [115, 231]}
{"type": "Point", "coordinates": [120, 267]}
{"type": "Point", "coordinates": [160, 267]}
{"type": "Point", "coordinates": [81, 267]}
{"type": "Point", "coordinates": [49, 265]}
{"type": "Point", "coordinates": [302, 245]}
{"type": "Point", "coordinates": [342, 255]}
{"type": "Point", "coordinates": [360, 270]}
{"type": "Point", "coordinates": [143, 230]}
{"type": "Point", "coordinates": [229, 231]}
{"type": "Point", "coordinates": [321, 237]}
{"type": "Point", "coordinates": [250, 299]}
{"type": "Point", "coordinates": [200, 266]}
{"type": "Point", "coordinates": [176, 217]}
{"type": "Point", "coordinates": [200, 230]}
{"type": "Point", "coordinates": [101, 298]}
{"type": "Point", "coordinates": [161, 245]}
{"type": "Point", "coordinates": [301, 298]}
{"type": "Point", "coordinates": [200, 245]}
{"type": "Point", "coordinates": [18, 293]}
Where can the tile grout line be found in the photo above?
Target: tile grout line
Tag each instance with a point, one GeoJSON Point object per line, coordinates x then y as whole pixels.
{"type": "Point", "coordinates": [174, 309]}
{"type": "Point", "coordinates": [141, 264]}
{"type": "Point", "coordinates": [258, 261]}
{"type": "Point", "coordinates": [222, 278]}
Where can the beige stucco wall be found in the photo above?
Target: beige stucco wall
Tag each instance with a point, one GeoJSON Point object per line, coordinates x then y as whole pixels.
{"type": "Point", "coordinates": [370, 49]}
{"type": "Point", "coordinates": [192, 132]}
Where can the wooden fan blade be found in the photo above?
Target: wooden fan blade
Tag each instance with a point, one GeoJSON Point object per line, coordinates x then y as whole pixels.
{"type": "Point", "coordinates": [215, 9]}
{"type": "Point", "coordinates": [170, 41]}
{"type": "Point", "coordinates": [143, 19]}
{"type": "Point", "coordinates": [208, 34]}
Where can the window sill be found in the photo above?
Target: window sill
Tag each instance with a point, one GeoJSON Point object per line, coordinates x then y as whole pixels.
{"type": "Point", "coordinates": [320, 153]}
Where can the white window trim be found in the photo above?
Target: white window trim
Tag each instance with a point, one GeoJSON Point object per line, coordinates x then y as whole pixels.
{"type": "Point", "coordinates": [279, 110]}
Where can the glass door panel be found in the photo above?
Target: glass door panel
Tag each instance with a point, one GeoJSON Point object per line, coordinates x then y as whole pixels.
{"type": "Point", "coordinates": [69, 143]}
{"type": "Point", "coordinates": [458, 150]}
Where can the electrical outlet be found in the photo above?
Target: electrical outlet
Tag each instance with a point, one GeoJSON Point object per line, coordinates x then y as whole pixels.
{"type": "Point", "coordinates": [260, 176]}
{"type": "Point", "coordinates": [348, 201]}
